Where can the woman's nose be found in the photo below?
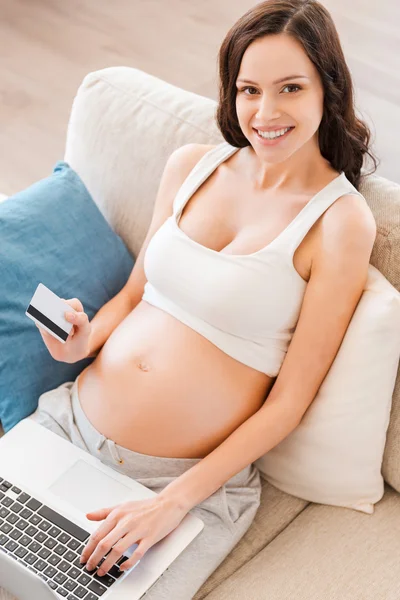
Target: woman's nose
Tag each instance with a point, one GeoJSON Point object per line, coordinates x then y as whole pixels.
{"type": "Point", "coordinates": [268, 110]}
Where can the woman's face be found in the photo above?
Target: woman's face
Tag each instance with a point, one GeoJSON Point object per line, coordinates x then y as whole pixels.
{"type": "Point", "coordinates": [267, 104]}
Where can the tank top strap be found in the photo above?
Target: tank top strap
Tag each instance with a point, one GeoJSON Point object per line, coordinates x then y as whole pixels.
{"type": "Point", "coordinates": [200, 172]}
{"type": "Point", "coordinates": [294, 234]}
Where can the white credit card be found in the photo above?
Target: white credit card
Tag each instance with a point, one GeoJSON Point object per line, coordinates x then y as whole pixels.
{"type": "Point", "coordinates": [48, 311]}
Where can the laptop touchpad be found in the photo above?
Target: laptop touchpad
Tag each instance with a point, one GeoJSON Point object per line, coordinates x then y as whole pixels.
{"type": "Point", "coordinates": [88, 489]}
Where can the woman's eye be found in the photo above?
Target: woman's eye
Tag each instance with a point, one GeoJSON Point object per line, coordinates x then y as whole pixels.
{"type": "Point", "coordinates": [248, 88]}
{"type": "Point", "coordinates": [292, 85]}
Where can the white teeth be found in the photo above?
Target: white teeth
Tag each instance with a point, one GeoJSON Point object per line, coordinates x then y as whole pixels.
{"type": "Point", "coordinates": [272, 134]}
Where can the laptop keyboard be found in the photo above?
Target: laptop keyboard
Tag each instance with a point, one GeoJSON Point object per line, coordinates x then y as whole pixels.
{"type": "Point", "coordinates": [50, 545]}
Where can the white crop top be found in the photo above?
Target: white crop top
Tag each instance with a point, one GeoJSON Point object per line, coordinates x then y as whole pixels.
{"type": "Point", "coordinates": [247, 305]}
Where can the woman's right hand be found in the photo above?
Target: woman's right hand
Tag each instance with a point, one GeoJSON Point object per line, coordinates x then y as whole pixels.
{"type": "Point", "coordinates": [76, 346]}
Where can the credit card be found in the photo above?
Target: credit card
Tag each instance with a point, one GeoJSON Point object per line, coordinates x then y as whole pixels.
{"type": "Point", "coordinates": [48, 310]}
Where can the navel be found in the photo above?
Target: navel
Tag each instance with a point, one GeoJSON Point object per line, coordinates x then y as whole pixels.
{"type": "Point", "coordinates": [142, 366]}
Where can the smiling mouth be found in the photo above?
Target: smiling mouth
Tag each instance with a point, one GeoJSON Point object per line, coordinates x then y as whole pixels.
{"type": "Point", "coordinates": [287, 129]}
{"type": "Point", "coordinates": [272, 140]}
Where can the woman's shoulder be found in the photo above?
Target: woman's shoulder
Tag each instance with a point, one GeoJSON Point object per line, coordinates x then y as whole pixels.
{"type": "Point", "coordinates": [182, 161]}
{"type": "Point", "coordinates": [186, 157]}
{"type": "Point", "coordinates": [190, 154]}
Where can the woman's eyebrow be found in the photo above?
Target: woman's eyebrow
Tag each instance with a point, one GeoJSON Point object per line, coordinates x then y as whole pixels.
{"type": "Point", "coordinates": [277, 81]}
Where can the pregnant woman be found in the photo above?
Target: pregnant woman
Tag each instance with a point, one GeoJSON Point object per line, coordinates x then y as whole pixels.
{"type": "Point", "coordinates": [254, 262]}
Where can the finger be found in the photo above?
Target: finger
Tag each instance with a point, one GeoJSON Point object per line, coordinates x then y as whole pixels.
{"type": "Point", "coordinates": [43, 332]}
{"type": "Point", "coordinates": [80, 319]}
{"type": "Point", "coordinates": [101, 513]}
{"type": "Point", "coordinates": [117, 551]}
{"type": "Point", "coordinates": [75, 303]}
{"type": "Point", "coordinates": [99, 533]}
{"type": "Point", "coordinates": [104, 546]}
{"type": "Point", "coordinates": [140, 551]}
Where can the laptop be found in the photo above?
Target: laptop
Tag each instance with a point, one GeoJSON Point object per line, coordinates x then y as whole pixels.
{"type": "Point", "coordinates": [47, 485]}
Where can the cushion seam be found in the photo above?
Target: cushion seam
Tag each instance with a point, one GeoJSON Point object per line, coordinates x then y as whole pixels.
{"type": "Point", "coordinates": [392, 232]}
{"type": "Point", "coordinates": [131, 94]}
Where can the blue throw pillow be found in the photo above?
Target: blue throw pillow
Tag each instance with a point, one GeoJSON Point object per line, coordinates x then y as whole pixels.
{"type": "Point", "coordinates": [51, 233]}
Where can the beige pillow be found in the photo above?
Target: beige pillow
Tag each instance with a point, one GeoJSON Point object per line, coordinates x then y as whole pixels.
{"type": "Point", "coordinates": [335, 454]}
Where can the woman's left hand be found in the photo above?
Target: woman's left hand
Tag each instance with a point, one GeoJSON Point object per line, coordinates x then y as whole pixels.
{"type": "Point", "coordinates": [139, 521]}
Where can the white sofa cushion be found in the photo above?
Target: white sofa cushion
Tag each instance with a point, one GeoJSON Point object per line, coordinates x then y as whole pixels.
{"type": "Point", "coordinates": [335, 454]}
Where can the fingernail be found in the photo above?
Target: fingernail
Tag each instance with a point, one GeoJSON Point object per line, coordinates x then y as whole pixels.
{"type": "Point", "coordinates": [70, 316]}
{"type": "Point", "coordinates": [100, 572]}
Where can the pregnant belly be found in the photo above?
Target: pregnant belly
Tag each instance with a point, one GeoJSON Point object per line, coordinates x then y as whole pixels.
{"type": "Point", "coordinates": [157, 387]}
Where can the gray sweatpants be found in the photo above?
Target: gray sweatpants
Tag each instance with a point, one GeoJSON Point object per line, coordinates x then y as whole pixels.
{"type": "Point", "coordinates": [227, 514]}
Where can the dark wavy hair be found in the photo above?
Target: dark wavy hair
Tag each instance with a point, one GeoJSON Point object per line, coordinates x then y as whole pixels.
{"type": "Point", "coordinates": [311, 24]}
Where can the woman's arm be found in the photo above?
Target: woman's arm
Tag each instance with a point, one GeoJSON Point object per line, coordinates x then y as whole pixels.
{"type": "Point", "coordinates": [106, 320]}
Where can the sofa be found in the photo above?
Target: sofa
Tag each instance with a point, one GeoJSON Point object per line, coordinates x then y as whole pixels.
{"type": "Point", "coordinates": [123, 126]}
